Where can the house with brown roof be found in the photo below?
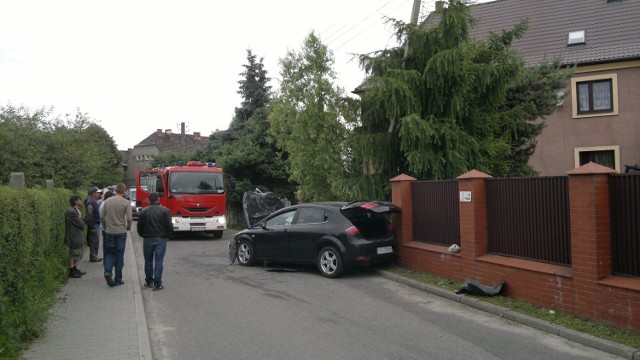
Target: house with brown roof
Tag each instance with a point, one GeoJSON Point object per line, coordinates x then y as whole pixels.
{"type": "Point", "coordinates": [598, 114]}
{"type": "Point", "coordinates": [142, 154]}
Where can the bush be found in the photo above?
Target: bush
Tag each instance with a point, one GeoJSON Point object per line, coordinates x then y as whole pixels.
{"type": "Point", "coordinates": [33, 265]}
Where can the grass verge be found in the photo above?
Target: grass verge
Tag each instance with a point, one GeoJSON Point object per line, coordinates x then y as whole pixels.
{"type": "Point", "coordinates": [569, 321]}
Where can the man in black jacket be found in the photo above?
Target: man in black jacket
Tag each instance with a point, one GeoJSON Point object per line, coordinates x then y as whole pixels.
{"type": "Point", "coordinates": [155, 227]}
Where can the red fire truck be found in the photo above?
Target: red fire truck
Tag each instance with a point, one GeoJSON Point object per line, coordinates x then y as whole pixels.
{"type": "Point", "coordinates": [195, 194]}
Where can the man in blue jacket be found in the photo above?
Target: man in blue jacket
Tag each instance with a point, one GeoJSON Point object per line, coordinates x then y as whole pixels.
{"type": "Point", "coordinates": [155, 227]}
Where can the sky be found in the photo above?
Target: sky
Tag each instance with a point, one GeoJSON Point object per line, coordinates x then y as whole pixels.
{"type": "Point", "coordinates": [136, 66]}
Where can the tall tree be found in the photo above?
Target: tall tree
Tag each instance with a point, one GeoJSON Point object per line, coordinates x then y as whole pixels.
{"type": "Point", "coordinates": [307, 119]}
{"type": "Point", "coordinates": [245, 150]}
{"type": "Point", "coordinates": [73, 151]}
{"type": "Point", "coordinates": [451, 104]}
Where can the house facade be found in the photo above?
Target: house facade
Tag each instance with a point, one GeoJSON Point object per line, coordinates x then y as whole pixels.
{"type": "Point", "coordinates": [598, 114]}
{"type": "Point", "coordinates": [142, 154]}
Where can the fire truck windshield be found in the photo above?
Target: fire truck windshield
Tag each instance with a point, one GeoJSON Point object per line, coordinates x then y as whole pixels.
{"type": "Point", "coordinates": [196, 182]}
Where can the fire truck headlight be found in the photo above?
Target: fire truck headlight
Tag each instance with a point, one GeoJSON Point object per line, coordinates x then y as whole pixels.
{"type": "Point", "coordinates": [222, 220]}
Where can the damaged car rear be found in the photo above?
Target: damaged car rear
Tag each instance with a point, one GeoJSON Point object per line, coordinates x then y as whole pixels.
{"type": "Point", "coordinates": [333, 235]}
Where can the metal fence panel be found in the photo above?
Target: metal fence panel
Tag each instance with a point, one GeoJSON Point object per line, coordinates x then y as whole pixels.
{"type": "Point", "coordinates": [529, 218]}
{"type": "Point", "coordinates": [436, 215]}
{"type": "Point", "coordinates": [624, 194]}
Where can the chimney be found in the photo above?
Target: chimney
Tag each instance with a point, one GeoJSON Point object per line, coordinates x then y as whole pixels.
{"type": "Point", "coordinates": [439, 5]}
{"type": "Point", "coordinates": [168, 131]}
{"type": "Point", "coordinates": [159, 132]}
{"type": "Point", "coordinates": [196, 135]}
{"type": "Point", "coordinates": [182, 135]}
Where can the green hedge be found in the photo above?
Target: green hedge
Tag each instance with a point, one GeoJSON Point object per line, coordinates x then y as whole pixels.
{"type": "Point", "coordinates": [33, 262]}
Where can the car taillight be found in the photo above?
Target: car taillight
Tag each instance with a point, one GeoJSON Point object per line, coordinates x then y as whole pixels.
{"type": "Point", "coordinates": [352, 231]}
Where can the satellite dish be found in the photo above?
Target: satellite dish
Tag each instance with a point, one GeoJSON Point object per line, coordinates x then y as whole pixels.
{"type": "Point", "coordinates": [559, 98]}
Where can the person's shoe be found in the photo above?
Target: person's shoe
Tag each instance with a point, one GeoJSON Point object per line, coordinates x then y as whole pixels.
{"type": "Point", "coordinates": [119, 283]}
{"type": "Point", "coordinates": [158, 288]}
{"type": "Point", "coordinates": [109, 279]}
{"type": "Point", "coordinates": [96, 260]}
{"type": "Point", "coordinates": [148, 284]}
{"type": "Point", "coordinates": [78, 271]}
{"type": "Point", "coordinates": [74, 274]}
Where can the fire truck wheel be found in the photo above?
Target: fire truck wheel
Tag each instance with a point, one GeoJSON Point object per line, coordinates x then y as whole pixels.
{"type": "Point", "coordinates": [217, 234]}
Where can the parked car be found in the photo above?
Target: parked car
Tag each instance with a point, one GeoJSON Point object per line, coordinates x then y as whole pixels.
{"type": "Point", "coordinates": [131, 195]}
{"type": "Point", "coordinates": [335, 236]}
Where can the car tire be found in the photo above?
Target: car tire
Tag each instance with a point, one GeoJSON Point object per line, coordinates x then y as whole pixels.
{"type": "Point", "coordinates": [246, 255]}
{"type": "Point", "coordinates": [330, 262]}
{"type": "Point", "coordinates": [217, 234]}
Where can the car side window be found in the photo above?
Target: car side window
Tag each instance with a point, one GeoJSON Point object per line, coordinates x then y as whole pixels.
{"type": "Point", "coordinates": [311, 216]}
{"type": "Point", "coordinates": [281, 219]}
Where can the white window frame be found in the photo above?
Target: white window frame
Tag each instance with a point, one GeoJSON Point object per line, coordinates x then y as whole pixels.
{"type": "Point", "coordinates": [615, 148]}
{"type": "Point", "coordinates": [614, 94]}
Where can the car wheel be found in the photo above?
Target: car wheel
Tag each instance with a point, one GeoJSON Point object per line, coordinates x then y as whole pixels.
{"type": "Point", "coordinates": [330, 262]}
{"type": "Point", "coordinates": [217, 234]}
{"type": "Point", "coordinates": [246, 256]}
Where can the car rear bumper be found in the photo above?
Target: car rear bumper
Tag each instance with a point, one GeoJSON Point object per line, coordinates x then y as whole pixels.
{"type": "Point", "coordinates": [372, 253]}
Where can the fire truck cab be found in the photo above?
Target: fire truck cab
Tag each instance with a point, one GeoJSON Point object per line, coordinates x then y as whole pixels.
{"type": "Point", "coordinates": [195, 194]}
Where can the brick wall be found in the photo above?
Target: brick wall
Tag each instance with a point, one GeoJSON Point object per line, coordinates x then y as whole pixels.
{"type": "Point", "coordinates": [587, 288]}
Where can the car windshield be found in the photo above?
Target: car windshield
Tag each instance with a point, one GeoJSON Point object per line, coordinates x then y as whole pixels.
{"type": "Point", "coordinates": [196, 182]}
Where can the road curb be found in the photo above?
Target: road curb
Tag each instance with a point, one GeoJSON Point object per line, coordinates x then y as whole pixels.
{"type": "Point", "coordinates": [543, 325]}
{"type": "Point", "coordinates": [144, 342]}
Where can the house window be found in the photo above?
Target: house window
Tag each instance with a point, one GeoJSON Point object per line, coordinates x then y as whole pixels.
{"type": "Point", "coordinates": [594, 95]}
{"type": "Point", "coordinates": [608, 156]}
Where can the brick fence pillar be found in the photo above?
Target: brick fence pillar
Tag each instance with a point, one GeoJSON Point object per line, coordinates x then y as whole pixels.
{"type": "Point", "coordinates": [473, 214]}
{"type": "Point", "coordinates": [589, 221]}
{"type": "Point", "coordinates": [590, 230]}
{"type": "Point", "coordinates": [401, 197]}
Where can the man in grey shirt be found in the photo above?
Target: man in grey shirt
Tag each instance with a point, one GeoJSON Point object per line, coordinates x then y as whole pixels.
{"type": "Point", "coordinates": [116, 219]}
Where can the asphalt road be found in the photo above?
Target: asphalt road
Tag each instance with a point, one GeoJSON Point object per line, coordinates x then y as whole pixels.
{"type": "Point", "coordinates": [210, 309]}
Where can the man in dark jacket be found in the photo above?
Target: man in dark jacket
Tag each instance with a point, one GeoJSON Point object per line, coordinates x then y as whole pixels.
{"type": "Point", "coordinates": [155, 227]}
{"type": "Point", "coordinates": [74, 234]}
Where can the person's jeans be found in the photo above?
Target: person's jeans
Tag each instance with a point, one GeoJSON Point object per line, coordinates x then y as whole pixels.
{"type": "Point", "coordinates": [154, 249]}
{"type": "Point", "coordinates": [93, 240]}
{"type": "Point", "coordinates": [113, 249]}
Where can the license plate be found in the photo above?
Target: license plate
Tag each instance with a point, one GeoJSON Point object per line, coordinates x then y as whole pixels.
{"type": "Point", "coordinates": [384, 250]}
{"type": "Point", "coordinates": [197, 228]}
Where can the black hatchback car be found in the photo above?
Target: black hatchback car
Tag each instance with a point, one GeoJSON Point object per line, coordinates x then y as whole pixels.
{"type": "Point", "coordinates": [336, 236]}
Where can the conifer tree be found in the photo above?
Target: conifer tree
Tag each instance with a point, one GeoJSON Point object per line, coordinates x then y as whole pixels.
{"type": "Point", "coordinates": [245, 151]}
{"type": "Point", "coordinates": [450, 104]}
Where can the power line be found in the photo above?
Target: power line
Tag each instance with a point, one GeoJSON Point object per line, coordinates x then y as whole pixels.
{"type": "Point", "coordinates": [346, 33]}
{"type": "Point", "coordinates": [343, 18]}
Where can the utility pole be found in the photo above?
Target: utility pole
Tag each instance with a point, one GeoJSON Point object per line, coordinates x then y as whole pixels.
{"type": "Point", "coordinates": [415, 12]}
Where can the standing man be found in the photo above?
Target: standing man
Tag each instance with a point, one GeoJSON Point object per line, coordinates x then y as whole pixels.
{"type": "Point", "coordinates": [74, 234]}
{"type": "Point", "coordinates": [116, 220]}
{"type": "Point", "coordinates": [93, 223]}
{"type": "Point", "coordinates": [155, 227]}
